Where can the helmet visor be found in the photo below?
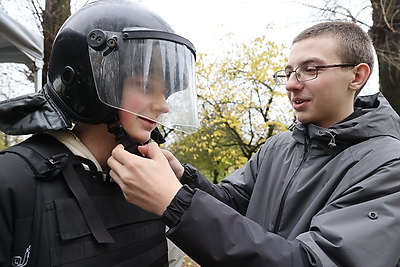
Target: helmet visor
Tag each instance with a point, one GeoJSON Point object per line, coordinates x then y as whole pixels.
{"type": "Point", "coordinates": [148, 74]}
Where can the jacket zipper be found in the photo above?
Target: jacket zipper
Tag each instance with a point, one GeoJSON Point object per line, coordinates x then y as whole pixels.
{"type": "Point", "coordinates": [289, 185]}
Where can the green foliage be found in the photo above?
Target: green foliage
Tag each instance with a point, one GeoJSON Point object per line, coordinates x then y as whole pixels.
{"type": "Point", "coordinates": [3, 144]}
{"type": "Point", "coordinates": [240, 107]}
{"type": "Point", "coordinates": [211, 150]}
{"type": "Point", "coordinates": [9, 140]}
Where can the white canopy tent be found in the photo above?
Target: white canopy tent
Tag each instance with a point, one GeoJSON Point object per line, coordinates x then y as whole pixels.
{"type": "Point", "coordinates": [20, 45]}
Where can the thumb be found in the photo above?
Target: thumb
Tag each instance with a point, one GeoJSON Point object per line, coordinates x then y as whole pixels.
{"type": "Point", "coordinates": [152, 151]}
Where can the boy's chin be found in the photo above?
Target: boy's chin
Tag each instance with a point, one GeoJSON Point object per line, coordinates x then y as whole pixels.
{"type": "Point", "coordinates": [143, 138]}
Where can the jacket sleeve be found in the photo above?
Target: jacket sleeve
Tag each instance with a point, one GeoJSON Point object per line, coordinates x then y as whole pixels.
{"type": "Point", "coordinates": [234, 191]}
{"type": "Point", "coordinates": [214, 234]}
{"type": "Point", "coordinates": [17, 189]}
{"type": "Point", "coordinates": [358, 226]}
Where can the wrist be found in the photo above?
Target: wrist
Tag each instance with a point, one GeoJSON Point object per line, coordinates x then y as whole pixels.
{"type": "Point", "coordinates": [178, 206]}
{"type": "Point", "coordinates": [171, 192]}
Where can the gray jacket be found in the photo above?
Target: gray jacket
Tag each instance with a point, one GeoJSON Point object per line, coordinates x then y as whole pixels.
{"type": "Point", "coordinates": [310, 197]}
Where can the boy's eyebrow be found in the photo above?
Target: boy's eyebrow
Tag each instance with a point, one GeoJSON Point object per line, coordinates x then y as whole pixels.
{"type": "Point", "coordinates": [312, 60]}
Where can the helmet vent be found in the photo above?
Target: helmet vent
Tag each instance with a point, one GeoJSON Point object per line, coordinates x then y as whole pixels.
{"type": "Point", "coordinates": [97, 40]}
{"type": "Point", "coordinates": [68, 76]}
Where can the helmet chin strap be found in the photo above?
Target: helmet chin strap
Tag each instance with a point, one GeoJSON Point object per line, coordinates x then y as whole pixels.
{"type": "Point", "coordinates": [157, 136]}
{"type": "Point", "coordinates": [122, 137]}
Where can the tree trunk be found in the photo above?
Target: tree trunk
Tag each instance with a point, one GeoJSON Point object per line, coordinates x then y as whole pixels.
{"type": "Point", "coordinates": [385, 34]}
{"type": "Point", "coordinates": [54, 15]}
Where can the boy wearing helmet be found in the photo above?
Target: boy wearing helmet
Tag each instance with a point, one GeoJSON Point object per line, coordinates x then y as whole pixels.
{"type": "Point", "coordinates": [116, 70]}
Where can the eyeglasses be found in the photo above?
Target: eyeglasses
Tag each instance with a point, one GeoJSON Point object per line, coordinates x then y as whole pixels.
{"type": "Point", "coordinates": [305, 73]}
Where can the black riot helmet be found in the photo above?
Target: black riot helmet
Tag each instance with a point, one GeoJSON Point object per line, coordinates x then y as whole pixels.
{"type": "Point", "coordinates": [106, 43]}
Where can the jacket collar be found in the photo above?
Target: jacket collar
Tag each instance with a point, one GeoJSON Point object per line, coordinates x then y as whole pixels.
{"type": "Point", "coordinates": [373, 117]}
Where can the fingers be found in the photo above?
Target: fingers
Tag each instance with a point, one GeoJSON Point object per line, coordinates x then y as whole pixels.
{"type": "Point", "coordinates": [173, 163]}
{"type": "Point", "coordinates": [152, 151]}
{"type": "Point", "coordinates": [117, 179]}
{"type": "Point", "coordinates": [168, 154]}
{"type": "Point", "coordinates": [114, 161]}
{"type": "Point", "coordinates": [119, 154]}
{"type": "Point", "coordinates": [115, 168]}
{"type": "Point", "coordinates": [140, 179]}
{"type": "Point", "coordinates": [119, 162]}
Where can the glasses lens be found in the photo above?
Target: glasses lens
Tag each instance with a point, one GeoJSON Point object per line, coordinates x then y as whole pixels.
{"type": "Point", "coordinates": [281, 77]}
{"type": "Point", "coordinates": [306, 73]}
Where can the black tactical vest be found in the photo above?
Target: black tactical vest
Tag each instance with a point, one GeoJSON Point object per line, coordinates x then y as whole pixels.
{"type": "Point", "coordinates": [81, 220]}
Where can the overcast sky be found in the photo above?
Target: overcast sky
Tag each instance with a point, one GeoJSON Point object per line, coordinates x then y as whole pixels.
{"type": "Point", "coordinates": [206, 22]}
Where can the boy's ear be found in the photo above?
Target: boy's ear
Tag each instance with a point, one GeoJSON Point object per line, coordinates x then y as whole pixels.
{"type": "Point", "coordinates": [361, 75]}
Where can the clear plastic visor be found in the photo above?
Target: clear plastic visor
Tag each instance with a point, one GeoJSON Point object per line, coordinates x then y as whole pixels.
{"type": "Point", "coordinates": [151, 78]}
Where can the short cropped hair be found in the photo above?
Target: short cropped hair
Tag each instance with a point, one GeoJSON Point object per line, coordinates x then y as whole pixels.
{"type": "Point", "coordinates": [354, 44]}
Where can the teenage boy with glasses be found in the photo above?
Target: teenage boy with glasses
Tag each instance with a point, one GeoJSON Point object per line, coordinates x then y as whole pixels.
{"type": "Point", "coordinates": [326, 193]}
